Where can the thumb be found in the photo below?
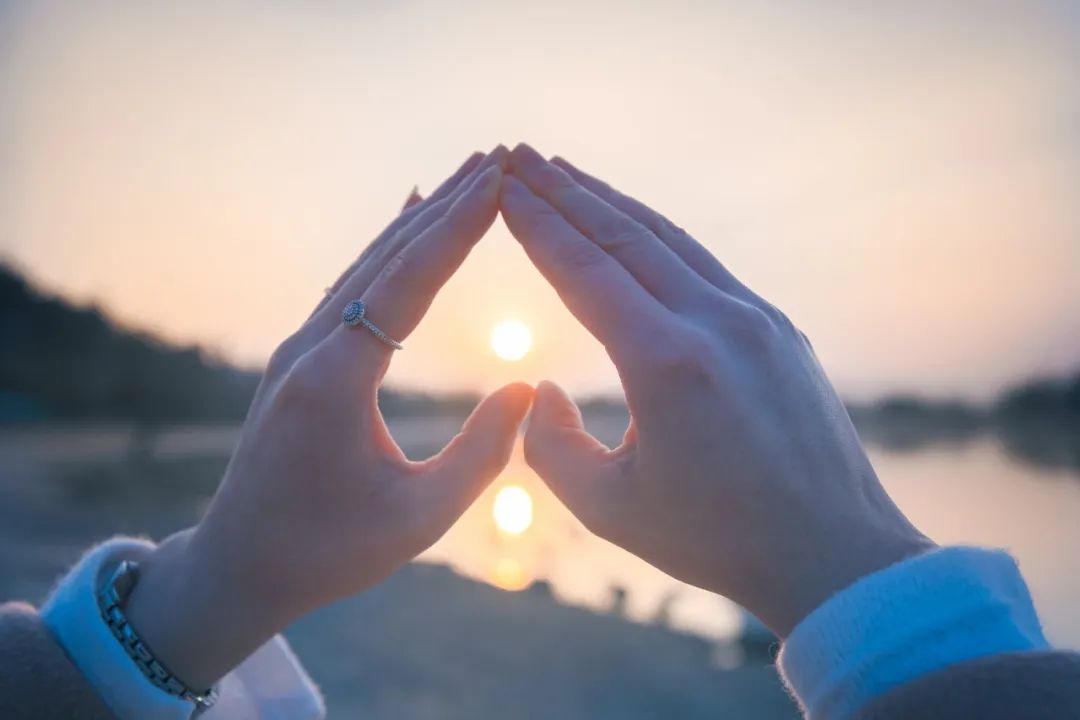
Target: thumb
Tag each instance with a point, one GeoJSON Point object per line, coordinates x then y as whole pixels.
{"type": "Point", "coordinates": [481, 450]}
{"type": "Point", "coordinates": [573, 463]}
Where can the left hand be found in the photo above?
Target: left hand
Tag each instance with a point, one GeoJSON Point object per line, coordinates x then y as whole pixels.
{"type": "Point", "coordinates": [318, 501]}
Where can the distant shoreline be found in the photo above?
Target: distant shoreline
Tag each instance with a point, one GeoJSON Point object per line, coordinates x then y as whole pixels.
{"type": "Point", "coordinates": [65, 364]}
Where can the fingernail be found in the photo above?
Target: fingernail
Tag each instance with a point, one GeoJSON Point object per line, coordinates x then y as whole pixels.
{"type": "Point", "coordinates": [527, 150]}
{"type": "Point", "coordinates": [499, 155]}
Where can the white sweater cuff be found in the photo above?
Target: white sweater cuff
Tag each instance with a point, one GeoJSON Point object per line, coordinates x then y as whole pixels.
{"type": "Point", "coordinates": [269, 685]}
{"type": "Point", "coordinates": [900, 623]}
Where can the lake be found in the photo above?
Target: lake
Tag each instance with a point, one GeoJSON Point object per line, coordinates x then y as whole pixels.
{"type": "Point", "coordinates": [65, 485]}
{"type": "Point", "coordinates": [429, 644]}
{"type": "Point", "coordinates": [963, 493]}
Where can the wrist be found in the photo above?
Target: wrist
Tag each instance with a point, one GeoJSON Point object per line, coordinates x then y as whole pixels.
{"type": "Point", "coordinates": [858, 555]}
{"type": "Point", "coordinates": [193, 617]}
{"type": "Point", "coordinates": [947, 606]}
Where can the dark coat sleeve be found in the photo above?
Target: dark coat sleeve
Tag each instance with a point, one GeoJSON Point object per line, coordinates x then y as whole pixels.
{"type": "Point", "coordinates": [1012, 686]}
{"type": "Point", "coordinates": [37, 680]}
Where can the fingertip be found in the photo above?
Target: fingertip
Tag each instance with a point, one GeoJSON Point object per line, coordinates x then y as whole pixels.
{"type": "Point", "coordinates": [524, 154]}
{"type": "Point", "coordinates": [527, 151]}
{"type": "Point", "coordinates": [566, 166]}
{"type": "Point", "coordinates": [471, 163]}
{"type": "Point", "coordinates": [550, 390]}
{"type": "Point", "coordinates": [485, 184]}
{"type": "Point", "coordinates": [524, 394]}
{"type": "Point", "coordinates": [519, 389]}
{"type": "Point", "coordinates": [512, 399]}
{"type": "Point", "coordinates": [515, 400]}
{"type": "Point", "coordinates": [500, 155]}
{"type": "Point", "coordinates": [553, 406]}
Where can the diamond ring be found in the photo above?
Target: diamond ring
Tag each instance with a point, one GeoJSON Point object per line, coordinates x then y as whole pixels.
{"type": "Point", "coordinates": [354, 314]}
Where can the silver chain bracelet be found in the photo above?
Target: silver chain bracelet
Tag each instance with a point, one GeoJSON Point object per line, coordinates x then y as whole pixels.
{"type": "Point", "coordinates": [110, 600]}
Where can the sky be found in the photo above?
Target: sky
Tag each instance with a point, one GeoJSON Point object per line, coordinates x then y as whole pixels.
{"type": "Point", "coordinates": [903, 179]}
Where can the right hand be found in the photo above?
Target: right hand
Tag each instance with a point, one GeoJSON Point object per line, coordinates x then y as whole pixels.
{"type": "Point", "coordinates": [740, 472]}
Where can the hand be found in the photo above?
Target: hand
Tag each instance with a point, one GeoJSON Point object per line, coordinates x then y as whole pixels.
{"type": "Point", "coordinates": [740, 472]}
{"type": "Point", "coordinates": [318, 501]}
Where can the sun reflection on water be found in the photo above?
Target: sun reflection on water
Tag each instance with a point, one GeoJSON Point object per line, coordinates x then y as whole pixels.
{"type": "Point", "coordinates": [518, 533]}
{"type": "Point", "coordinates": [509, 574]}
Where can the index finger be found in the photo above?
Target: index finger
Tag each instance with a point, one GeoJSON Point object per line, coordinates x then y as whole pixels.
{"type": "Point", "coordinates": [693, 253]}
{"type": "Point", "coordinates": [414, 205]}
{"type": "Point", "coordinates": [400, 295]}
{"type": "Point", "coordinates": [595, 287]}
{"type": "Point", "coordinates": [635, 247]}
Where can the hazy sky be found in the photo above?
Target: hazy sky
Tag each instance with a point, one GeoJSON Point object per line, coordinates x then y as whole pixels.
{"type": "Point", "coordinates": [902, 178]}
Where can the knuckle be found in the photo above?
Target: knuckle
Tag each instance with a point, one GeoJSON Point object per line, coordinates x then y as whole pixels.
{"type": "Point", "coordinates": [558, 181]}
{"type": "Point", "coordinates": [685, 355]}
{"type": "Point", "coordinates": [387, 248]}
{"type": "Point", "coordinates": [303, 386]}
{"type": "Point", "coordinates": [542, 216]}
{"type": "Point", "coordinates": [281, 360]}
{"type": "Point", "coordinates": [778, 318]}
{"type": "Point", "coordinates": [580, 256]}
{"type": "Point", "coordinates": [749, 325]}
{"type": "Point", "coordinates": [620, 233]}
{"type": "Point", "coordinates": [399, 268]}
{"type": "Point", "coordinates": [457, 221]}
{"type": "Point", "coordinates": [674, 229]}
{"type": "Point", "coordinates": [376, 247]}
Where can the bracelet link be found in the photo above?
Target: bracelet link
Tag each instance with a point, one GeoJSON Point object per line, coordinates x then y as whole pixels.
{"type": "Point", "coordinates": [110, 600]}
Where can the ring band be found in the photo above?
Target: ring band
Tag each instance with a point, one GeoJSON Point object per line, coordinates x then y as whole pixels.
{"type": "Point", "coordinates": [355, 314]}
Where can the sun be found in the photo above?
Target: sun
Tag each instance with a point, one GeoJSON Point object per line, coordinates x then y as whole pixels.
{"type": "Point", "coordinates": [513, 510]}
{"type": "Point", "coordinates": [511, 340]}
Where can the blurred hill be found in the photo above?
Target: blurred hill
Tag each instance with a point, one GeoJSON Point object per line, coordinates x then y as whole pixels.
{"type": "Point", "coordinates": [1037, 422]}
{"type": "Point", "coordinates": [59, 361]}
